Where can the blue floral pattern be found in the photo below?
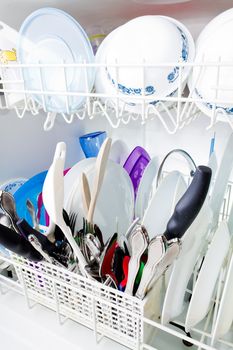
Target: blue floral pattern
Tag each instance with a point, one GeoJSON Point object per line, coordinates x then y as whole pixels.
{"type": "Point", "coordinates": [149, 90]}
{"type": "Point", "coordinates": [154, 103]}
{"type": "Point", "coordinates": [184, 56]}
{"type": "Point", "coordinates": [228, 110]}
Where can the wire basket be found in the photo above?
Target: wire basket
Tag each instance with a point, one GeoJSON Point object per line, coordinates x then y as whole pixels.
{"type": "Point", "coordinates": [107, 311]}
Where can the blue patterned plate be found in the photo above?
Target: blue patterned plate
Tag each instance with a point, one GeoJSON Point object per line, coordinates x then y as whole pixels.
{"type": "Point", "coordinates": [30, 190]}
{"type": "Point", "coordinates": [13, 185]}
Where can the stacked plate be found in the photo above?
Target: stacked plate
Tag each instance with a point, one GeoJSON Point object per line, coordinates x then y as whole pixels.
{"type": "Point", "coordinates": [51, 38]}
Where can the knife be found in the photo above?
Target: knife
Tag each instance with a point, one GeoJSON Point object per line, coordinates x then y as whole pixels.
{"type": "Point", "coordinates": [11, 240]}
{"type": "Point", "coordinates": [163, 249]}
{"type": "Point", "coordinates": [48, 247]}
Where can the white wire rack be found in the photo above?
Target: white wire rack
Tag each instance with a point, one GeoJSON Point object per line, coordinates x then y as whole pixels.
{"type": "Point", "coordinates": [174, 111]}
{"type": "Point", "coordinates": [110, 313]}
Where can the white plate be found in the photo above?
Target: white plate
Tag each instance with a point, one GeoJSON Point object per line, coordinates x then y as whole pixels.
{"type": "Point", "coordinates": [119, 152]}
{"type": "Point", "coordinates": [207, 278]}
{"type": "Point", "coordinates": [51, 36]}
{"type": "Point", "coordinates": [221, 181]}
{"type": "Point", "coordinates": [145, 188]}
{"type": "Point", "coordinates": [73, 174]}
{"type": "Point", "coordinates": [163, 202]}
{"type": "Point", "coordinates": [192, 243]}
{"type": "Point", "coordinates": [12, 185]}
{"type": "Point", "coordinates": [225, 312]}
{"type": "Point", "coordinates": [115, 204]}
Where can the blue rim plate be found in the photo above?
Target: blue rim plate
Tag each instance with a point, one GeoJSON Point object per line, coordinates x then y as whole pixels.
{"type": "Point", "coordinates": [51, 36]}
{"type": "Point", "coordinates": [13, 185]}
{"type": "Point", "coordinates": [30, 190]}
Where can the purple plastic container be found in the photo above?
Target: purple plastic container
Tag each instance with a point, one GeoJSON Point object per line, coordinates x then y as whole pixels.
{"type": "Point", "coordinates": [135, 165]}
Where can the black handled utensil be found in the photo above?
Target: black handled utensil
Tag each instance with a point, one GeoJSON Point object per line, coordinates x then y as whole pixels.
{"type": "Point", "coordinates": [189, 205]}
{"type": "Point", "coordinates": [11, 240]}
{"type": "Point", "coordinates": [163, 249]}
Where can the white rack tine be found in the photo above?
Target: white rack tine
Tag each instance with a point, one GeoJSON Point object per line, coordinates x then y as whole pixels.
{"type": "Point", "coordinates": [217, 299]}
{"type": "Point", "coordinates": [49, 122]}
{"type": "Point", "coordinates": [20, 112]}
{"type": "Point", "coordinates": [143, 94]}
{"type": "Point", "coordinates": [179, 93]}
{"type": "Point", "coordinates": [88, 100]}
{"type": "Point", "coordinates": [42, 88]}
{"type": "Point", "coordinates": [68, 118]}
{"type": "Point", "coordinates": [207, 322]}
{"type": "Point", "coordinates": [117, 90]}
{"type": "Point", "coordinates": [64, 70]}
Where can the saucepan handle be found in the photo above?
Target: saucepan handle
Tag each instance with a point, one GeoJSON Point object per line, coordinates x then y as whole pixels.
{"type": "Point", "coordinates": [190, 204]}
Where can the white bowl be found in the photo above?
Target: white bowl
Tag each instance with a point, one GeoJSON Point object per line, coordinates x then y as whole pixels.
{"type": "Point", "coordinates": [213, 48]}
{"type": "Point", "coordinates": [132, 45]}
{"type": "Point", "coordinates": [212, 26]}
{"type": "Point", "coordinates": [126, 102]}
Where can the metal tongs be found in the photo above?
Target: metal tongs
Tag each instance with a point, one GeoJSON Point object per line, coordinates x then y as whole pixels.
{"type": "Point", "coordinates": [164, 249]}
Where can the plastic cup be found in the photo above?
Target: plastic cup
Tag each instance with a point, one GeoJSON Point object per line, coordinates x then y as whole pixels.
{"type": "Point", "coordinates": [92, 142]}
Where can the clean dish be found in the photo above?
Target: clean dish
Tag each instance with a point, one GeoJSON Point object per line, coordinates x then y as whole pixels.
{"type": "Point", "coordinates": [132, 45]}
{"type": "Point", "coordinates": [145, 187]}
{"type": "Point", "coordinates": [115, 204]}
{"type": "Point", "coordinates": [214, 47]}
{"type": "Point", "coordinates": [163, 202]}
{"type": "Point", "coordinates": [31, 189]}
{"type": "Point", "coordinates": [205, 285]}
{"type": "Point", "coordinates": [221, 180]}
{"type": "Point", "coordinates": [119, 152]}
{"type": "Point", "coordinates": [225, 312]}
{"type": "Point", "coordinates": [192, 243]}
{"type": "Point", "coordinates": [13, 185]}
{"type": "Point", "coordinates": [92, 142]}
{"type": "Point", "coordinates": [212, 26]}
{"type": "Point", "coordinates": [51, 36]}
{"type": "Point", "coordinates": [74, 173]}
{"type": "Point", "coordinates": [104, 86]}
{"type": "Point", "coordinates": [135, 165]}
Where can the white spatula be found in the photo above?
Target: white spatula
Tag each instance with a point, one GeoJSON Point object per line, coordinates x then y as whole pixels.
{"type": "Point", "coordinates": [100, 167]}
{"type": "Point", "coordinates": [53, 197]}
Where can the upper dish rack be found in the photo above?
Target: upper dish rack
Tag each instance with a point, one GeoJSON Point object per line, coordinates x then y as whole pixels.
{"type": "Point", "coordinates": [174, 111]}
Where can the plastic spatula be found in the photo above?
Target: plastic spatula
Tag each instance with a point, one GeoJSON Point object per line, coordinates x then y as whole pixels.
{"type": "Point", "coordinates": [53, 196]}
{"type": "Point", "coordinates": [86, 195]}
{"type": "Point", "coordinates": [100, 166]}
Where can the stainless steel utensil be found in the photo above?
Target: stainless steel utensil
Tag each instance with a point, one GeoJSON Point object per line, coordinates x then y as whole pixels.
{"type": "Point", "coordinates": [138, 243]}
{"type": "Point", "coordinates": [7, 203]}
{"type": "Point", "coordinates": [37, 245]}
{"type": "Point", "coordinates": [32, 213]}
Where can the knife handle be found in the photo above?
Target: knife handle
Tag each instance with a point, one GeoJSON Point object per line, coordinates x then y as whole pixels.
{"type": "Point", "coordinates": [11, 240]}
{"type": "Point", "coordinates": [26, 230]}
{"type": "Point", "coordinates": [190, 204]}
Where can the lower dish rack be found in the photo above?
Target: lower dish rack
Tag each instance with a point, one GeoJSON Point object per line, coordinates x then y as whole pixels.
{"type": "Point", "coordinates": [107, 311]}
{"type": "Point", "coordinates": [110, 313]}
